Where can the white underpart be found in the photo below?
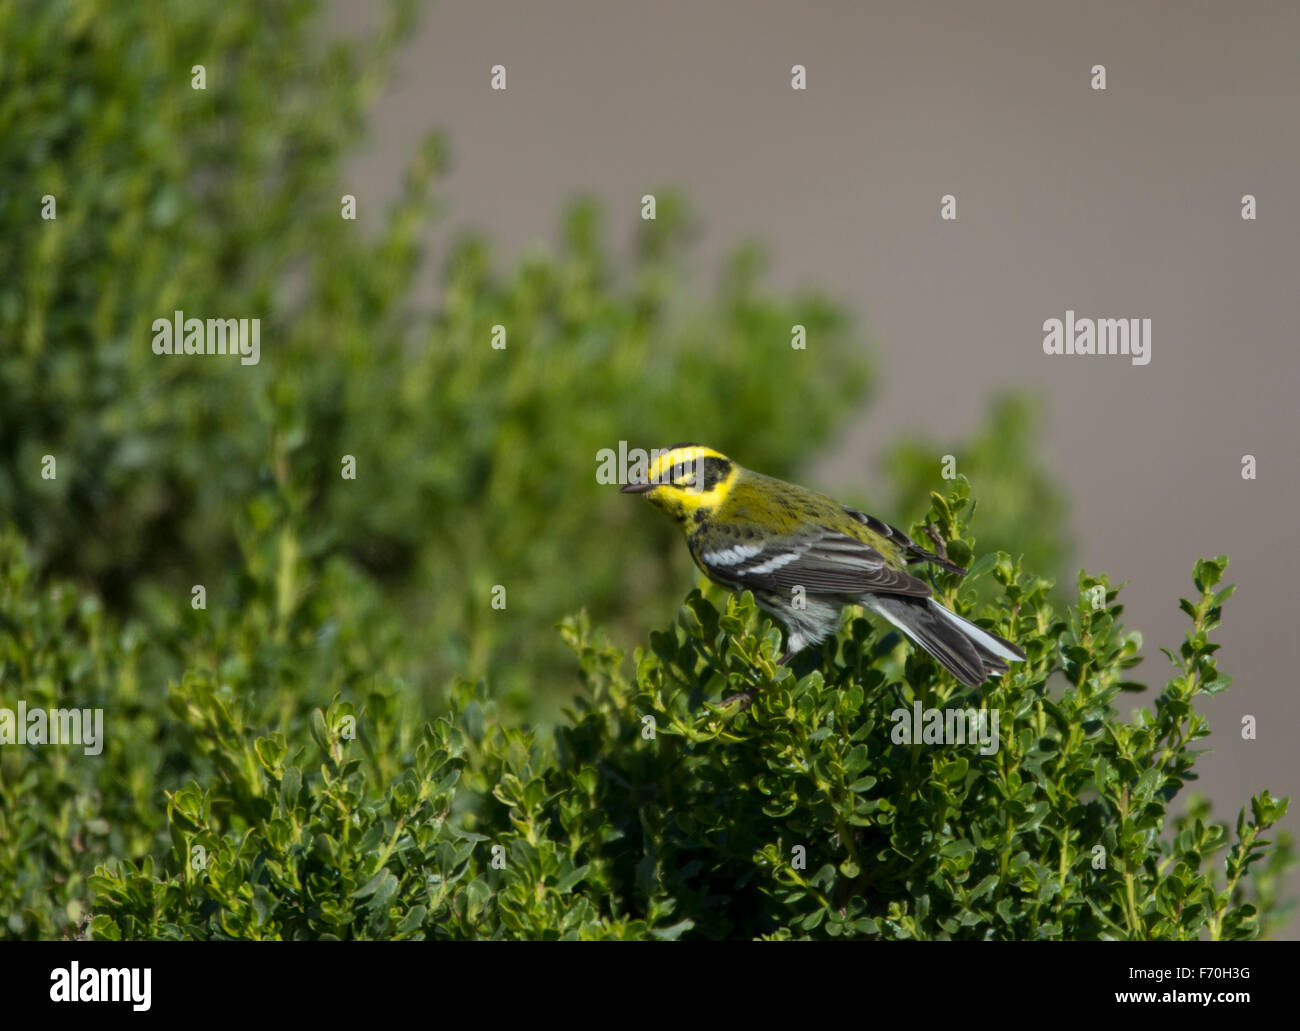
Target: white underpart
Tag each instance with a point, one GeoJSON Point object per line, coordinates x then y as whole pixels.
{"type": "Point", "coordinates": [733, 555]}
{"type": "Point", "coordinates": [773, 564]}
{"type": "Point", "coordinates": [809, 625]}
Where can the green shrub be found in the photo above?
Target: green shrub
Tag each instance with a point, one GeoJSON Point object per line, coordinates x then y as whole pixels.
{"type": "Point", "coordinates": [655, 814]}
{"type": "Point", "coordinates": [289, 643]}
{"type": "Point", "coordinates": [61, 811]}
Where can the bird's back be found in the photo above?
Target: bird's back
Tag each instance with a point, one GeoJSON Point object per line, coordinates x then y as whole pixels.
{"type": "Point", "coordinates": [756, 501]}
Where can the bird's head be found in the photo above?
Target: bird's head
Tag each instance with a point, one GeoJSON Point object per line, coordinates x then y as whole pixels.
{"type": "Point", "coordinates": [688, 481]}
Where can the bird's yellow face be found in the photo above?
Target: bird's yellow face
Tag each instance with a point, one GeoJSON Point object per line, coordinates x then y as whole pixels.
{"type": "Point", "coordinates": [687, 481]}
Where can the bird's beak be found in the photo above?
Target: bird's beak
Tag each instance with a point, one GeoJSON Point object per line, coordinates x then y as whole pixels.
{"type": "Point", "coordinates": [637, 488]}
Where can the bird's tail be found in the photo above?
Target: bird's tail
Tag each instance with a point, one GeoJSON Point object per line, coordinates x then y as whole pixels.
{"type": "Point", "coordinates": [970, 653]}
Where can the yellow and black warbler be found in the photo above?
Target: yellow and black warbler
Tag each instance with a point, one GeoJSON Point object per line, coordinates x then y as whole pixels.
{"type": "Point", "coordinates": [805, 556]}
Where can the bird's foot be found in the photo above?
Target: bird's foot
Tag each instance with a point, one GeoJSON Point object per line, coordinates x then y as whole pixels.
{"type": "Point", "coordinates": [940, 556]}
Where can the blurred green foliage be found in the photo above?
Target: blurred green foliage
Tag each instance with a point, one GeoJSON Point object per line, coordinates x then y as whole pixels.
{"type": "Point", "coordinates": [475, 466]}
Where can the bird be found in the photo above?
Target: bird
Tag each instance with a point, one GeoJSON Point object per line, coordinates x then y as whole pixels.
{"type": "Point", "coordinates": [805, 556]}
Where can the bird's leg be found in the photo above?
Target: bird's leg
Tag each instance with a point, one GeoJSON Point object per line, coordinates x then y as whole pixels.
{"type": "Point", "coordinates": [940, 556]}
{"type": "Point", "coordinates": [940, 548]}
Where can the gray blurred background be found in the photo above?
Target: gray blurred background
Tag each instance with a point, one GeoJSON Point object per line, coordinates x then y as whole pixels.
{"type": "Point", "coordinates": [1123, 203]}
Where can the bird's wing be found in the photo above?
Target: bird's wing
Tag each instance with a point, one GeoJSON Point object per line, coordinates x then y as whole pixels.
{"type": "Point", "coordinates": [890, 533]}
{"type": "Point", "coordinates": [822, 562]}
{"type": "Point", "coordinates": [913, 551]}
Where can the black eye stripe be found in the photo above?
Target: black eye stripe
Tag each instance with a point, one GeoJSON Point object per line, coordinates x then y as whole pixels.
{"type": "Point", "coordinates": [714, 471]}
